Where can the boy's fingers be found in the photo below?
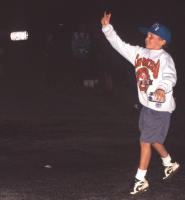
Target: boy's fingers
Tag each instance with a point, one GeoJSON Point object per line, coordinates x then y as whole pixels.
{"type": "Point", "coordinates": [109, 16]}
{"type": "Point", "coordinates": [105, 14]}
{"type": "Point", "coordinates": [160, 95]}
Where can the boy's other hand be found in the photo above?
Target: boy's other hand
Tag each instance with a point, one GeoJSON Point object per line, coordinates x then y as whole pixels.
{"type": "Point", "coordinates": [105, 19]}
{"type": "Point", "coordinates": [160, 95]}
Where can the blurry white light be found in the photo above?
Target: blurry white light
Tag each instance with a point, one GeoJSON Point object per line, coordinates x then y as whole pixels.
{"type": "Point", "coordinates": [19, 35]}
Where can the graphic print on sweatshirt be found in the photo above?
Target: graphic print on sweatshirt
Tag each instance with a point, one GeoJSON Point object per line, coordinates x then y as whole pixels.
{"type": "Point", "coordinates": [146, 71]}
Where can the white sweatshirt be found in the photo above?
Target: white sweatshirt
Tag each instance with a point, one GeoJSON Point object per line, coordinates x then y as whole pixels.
{"type": "Point", "coordinates": [154, 69]}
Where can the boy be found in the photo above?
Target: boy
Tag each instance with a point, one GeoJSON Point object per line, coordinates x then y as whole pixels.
{"type": "Point", "coordinates": [156, 75]}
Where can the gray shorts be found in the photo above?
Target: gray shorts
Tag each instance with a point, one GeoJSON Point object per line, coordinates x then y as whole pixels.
{"type": "Point", "coordinates": [153, 125]}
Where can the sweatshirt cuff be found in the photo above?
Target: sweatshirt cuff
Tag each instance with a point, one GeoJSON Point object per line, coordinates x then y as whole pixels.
{"type": "Point", "coordinates": [107, 28]}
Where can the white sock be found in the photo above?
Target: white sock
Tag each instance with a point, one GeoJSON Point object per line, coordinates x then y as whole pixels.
{"type": "Point", "coordinates": [166, 161]}
{"type": "Point", "coordinates": [140, 175]}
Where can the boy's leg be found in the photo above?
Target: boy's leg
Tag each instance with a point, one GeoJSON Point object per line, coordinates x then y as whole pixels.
{"type": "Point", "coordinates": [160, 149]}
{"type": "Point", "coordinates": [141, 184]}
{"type": "Point", "coordinates": [145, 155]}
{"type": "Point", "coordinates": [170, 168]}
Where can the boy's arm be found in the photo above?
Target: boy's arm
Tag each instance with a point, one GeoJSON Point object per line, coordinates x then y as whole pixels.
{"type": "Point", "coordinates": [126, 50]}
{"type": "Point", "coordinates": [169, 76]}
{"type": "Point", "coordinates": [169, 79]}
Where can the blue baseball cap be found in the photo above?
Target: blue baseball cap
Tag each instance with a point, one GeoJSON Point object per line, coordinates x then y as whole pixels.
{"type": "Point", "coordinates": [158, 29]}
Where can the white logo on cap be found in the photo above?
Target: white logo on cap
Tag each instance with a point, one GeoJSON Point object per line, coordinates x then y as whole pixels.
{"type": "Point", "coordinates": [156, 26]}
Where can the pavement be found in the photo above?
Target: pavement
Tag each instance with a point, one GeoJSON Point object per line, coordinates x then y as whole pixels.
{"type": "Point", "coordinates": [79, 144]}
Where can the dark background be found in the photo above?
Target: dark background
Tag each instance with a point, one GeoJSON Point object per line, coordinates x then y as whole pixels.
{"type": "Point", "coordinates": [42, 17]}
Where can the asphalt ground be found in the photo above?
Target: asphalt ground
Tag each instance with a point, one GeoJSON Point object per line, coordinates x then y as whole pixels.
{"type": "Point", "coordinates": [79, 144]}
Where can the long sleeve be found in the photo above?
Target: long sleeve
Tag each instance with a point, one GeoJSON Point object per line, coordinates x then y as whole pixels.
{"type": "Point", "coordinates": [128, 51]}
{"type": "Point", "coordinates": [169, 76]}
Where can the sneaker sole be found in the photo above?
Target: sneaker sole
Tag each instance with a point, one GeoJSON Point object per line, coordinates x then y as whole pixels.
{"type": "Point", "coordinates": [140, 192]}
{"type": "Point", "coordinates": [172, 174]}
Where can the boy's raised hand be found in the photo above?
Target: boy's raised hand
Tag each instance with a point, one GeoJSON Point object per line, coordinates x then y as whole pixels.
{"type": "Point", "coordinates": [105, 19]}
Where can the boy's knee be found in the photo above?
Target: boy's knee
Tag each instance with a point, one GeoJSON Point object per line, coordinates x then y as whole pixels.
{"type": "Point", "coordinates": [145, 144]}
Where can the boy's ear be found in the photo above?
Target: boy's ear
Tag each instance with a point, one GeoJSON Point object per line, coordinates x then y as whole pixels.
{"type": "Point", "coordinates": [163, 42]}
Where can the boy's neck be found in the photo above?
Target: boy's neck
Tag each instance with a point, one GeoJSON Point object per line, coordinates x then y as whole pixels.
{"type": "Point", "coordinates": [155, 49]}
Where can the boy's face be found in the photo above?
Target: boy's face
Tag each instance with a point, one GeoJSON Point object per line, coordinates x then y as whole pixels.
{"type": "Point", "coordinates": [154, 42]}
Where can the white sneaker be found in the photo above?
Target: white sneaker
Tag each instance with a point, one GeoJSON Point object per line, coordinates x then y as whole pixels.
{"type": "Point", "coordinates": [169, 171]}
{"type": "Point", "coordinates": [139, 187]}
